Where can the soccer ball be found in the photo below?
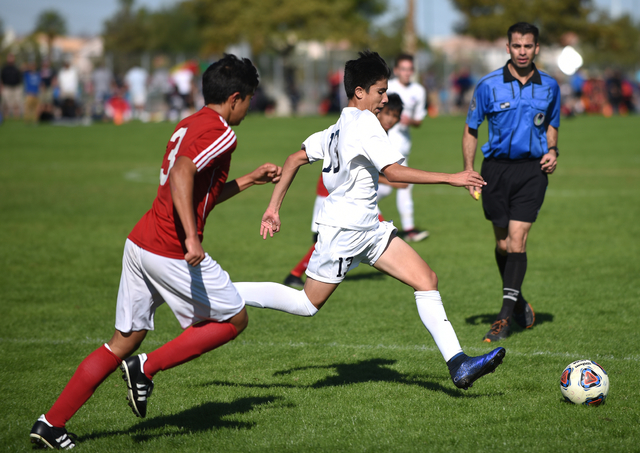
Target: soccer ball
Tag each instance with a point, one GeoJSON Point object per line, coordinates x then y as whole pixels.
{"type": "Point", "coordinates": [584, 382]}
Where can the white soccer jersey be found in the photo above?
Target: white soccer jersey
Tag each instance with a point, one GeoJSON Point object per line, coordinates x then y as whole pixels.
{"type": "Point", "coordinates": [414, 99]}
{"type": "Point", "coordinates": [354, 151]}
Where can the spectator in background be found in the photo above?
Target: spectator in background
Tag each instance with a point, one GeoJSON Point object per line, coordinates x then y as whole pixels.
{"type": "Point", "coordinates": [414, 100]}
{"type": "Point", "coordinates": [117, 108]}
{"type": "Point", "coordinates": [11, 88]}
{"type": "Point", "coordinates": [182, 78]}
{"type": "Point", "coordinates": [136, 80]}
{"type": "Point", "coordinates": [32, 80]}
{"type": "Point", "coordinates": [69, 83]}
{"type": "Point", "coordinates": [47, 81]}
{"type": "Point", "coordinates": [613, 83]}
{"type": "Point", "coordinates": [577, 83]}
{"type": "Point", "coordinates": [463, 83]}
{"type": "Point", "coordinates": [160, 88]}
{"type": "Point", "coordinates": [101, 80]}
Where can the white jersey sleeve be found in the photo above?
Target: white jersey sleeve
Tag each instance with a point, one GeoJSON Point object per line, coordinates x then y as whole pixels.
{"type": "Point", "coordinates": [314, 146]}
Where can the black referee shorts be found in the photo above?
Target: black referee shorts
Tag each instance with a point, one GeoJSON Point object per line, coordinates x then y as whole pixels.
{"type": "Point", "coordinates": [515, 190]}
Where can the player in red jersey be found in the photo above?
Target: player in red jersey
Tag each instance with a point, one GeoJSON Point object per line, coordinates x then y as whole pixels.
{"type": "Point", "coordinates": [164, 260]}
{"type": "Point", "coordinates": [389, 117]}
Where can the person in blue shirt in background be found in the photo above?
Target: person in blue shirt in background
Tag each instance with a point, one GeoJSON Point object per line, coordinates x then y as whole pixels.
{"type": "Point", "coordinates": [522, 106]}
{"type": "Point", "coordinates": [31, 80]}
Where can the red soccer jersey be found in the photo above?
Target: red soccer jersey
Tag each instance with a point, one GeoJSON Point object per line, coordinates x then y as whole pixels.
{"type": "Point", "coordinates": [208, 141]}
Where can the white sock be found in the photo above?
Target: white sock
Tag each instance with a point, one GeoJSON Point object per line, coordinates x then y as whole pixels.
{"type": "Point", "coordinates": [435, 320]}
{"type": "Point", "coordinates": [276, 297]}
{"type": "Point", "coordinates": [404, 203]}
{"type": "Point", "coordinates": [42, 418]}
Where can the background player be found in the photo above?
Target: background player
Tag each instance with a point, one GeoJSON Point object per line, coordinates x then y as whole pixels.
{"type": "Point", "coordinates": [414, 99]}
{"type": "Point", "coordinates": [164, 260]}
{"type": "Point", "coordinates": [524, 104]}
{"type": "Point", "coordinates": [354, 152]}
{"type": "Point", "coordinates": [388, 116]}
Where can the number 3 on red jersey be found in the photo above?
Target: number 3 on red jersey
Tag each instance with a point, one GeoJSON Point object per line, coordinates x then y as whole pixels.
{"type": "Point", "coordinates": [177, 135]}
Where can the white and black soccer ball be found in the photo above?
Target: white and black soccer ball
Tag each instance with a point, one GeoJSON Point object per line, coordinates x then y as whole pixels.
{"type": "Point", "coordinates": [584, 382]}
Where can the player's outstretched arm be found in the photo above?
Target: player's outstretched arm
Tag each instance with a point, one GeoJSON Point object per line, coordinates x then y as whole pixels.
{"type": "Point", "coordinates": [263, 174]}
{"type": "Point", "coordinates": [271, 220]}
{"type": "Point", "coordinates": [398, 173]}
{"type": "Point", "coordinates": [398, 185]}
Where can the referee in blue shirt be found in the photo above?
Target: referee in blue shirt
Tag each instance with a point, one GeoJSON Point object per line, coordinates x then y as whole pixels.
{"type": "Point", "coordinates": [522, 106]}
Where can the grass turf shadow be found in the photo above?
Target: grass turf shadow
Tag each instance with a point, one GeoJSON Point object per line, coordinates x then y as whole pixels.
{"type": "Point", "coordinates": [488, 318]}
{"type": "Point", "coordinates": [204, 417]}
{"type": "Point", "coordinates": [372, 370]}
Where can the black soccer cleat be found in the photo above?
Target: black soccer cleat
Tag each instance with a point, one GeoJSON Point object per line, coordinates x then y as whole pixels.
{"type": "Point", "coordinates": [46, 436]}
{"type": "Point", "coordinates": [293, 281]}
{"type": "Point", "coordinates": [499, 331]}
{"type": "Point", "coordinates": [414, 235]}
{"type": "Point", "coordinates": [473, 368]}
{"type": "Point", "coordinates": [523, 314]}
{"type": "Point", "coordinates": [139, 386]}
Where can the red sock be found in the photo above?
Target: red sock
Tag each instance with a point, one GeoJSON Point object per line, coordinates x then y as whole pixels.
{"type": "Point", "coordinates": [93, 370]}
{"type": "Point", "coordinates": [192, 343]}
{"type": "Point", "coordinates": [304, 262]}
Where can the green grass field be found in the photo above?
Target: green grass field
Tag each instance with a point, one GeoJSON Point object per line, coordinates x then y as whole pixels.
{"type": "Point", "coordinates": [363, 374]}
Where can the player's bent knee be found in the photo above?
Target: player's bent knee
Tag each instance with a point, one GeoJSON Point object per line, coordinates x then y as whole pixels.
{"type": "Point", "coordinates": [240, 321]}
{"type": "Point", "coordinates": [428, 281]}
{"type": "Point", "coordinates": [123, 344]}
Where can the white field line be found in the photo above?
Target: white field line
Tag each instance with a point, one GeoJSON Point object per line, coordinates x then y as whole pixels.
{"type": "Point", "coordinates": [336, 345]}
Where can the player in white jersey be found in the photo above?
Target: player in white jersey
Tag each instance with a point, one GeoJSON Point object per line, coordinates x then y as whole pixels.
{"type": "Point", "coordinates": [414, 98]}
{"type": "Point", "coordinates": [354, 151]}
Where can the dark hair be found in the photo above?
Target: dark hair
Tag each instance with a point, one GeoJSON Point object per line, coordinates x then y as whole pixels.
{"type": "Point", "coordinates": [523, 28]}
{"type": "Point", "coordinates": [395, 103]}
{"type": "Point", "coordinates": [364, 72]}
{"type": "Point", "coordinates": [226, 76]}
{"type": "Point", "coordinates": [403, 57]}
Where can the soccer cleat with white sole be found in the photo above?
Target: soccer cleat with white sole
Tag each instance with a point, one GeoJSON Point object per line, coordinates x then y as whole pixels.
{"type": "Point", "coordinates": [47, 436]}
{"type": "Point", "coordinates": [139, 386]}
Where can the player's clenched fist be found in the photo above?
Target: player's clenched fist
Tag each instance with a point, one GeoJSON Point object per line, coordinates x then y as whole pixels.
{"type": "Point", "coordinates": [266, 173]}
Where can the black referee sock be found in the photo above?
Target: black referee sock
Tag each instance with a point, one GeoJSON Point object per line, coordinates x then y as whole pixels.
{"type": "Point", "coordinates": [515, 269]}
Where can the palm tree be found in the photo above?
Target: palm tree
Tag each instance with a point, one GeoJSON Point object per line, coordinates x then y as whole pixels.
{"type": "Point", "coordinates": [52, 24]}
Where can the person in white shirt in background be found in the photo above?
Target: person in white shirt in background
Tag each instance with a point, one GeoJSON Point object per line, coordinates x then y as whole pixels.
{"type": "Point", "coordinates": [414, 99]}
{"type": "Point", "coordinates": [136, 79]}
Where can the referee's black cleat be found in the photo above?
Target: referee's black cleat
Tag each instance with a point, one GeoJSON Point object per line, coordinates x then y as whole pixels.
{"type": "Point", "coordinates": [139, 386]}
{"type": "Point", "coordinates": [523, 314]}
{"type": "Point", "coordinates": [47, 436]}
{"type": "Point", "coordinates": [499, 331]}
{"type": "Point", "coordinates": [473, 368]}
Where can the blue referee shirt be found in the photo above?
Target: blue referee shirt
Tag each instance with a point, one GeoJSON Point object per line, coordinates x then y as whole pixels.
{"type": "Point", "coordinates": [518, 114]}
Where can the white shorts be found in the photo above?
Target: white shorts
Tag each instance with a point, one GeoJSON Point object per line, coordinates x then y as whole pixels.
{"type": "Point", "coordinates": [316, 212]}
{"type": "Point", "coordinates": [339, 250]}
{"type": "Point", "coordinates": [194, 294]}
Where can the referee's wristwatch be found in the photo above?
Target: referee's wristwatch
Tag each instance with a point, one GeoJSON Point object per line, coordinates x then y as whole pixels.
{"type": "Point", "coordinates": [555, 148]}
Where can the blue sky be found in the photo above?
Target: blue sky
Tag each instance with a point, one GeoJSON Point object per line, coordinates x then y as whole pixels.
{"type": "Point", "coordinates": [433, 17]}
